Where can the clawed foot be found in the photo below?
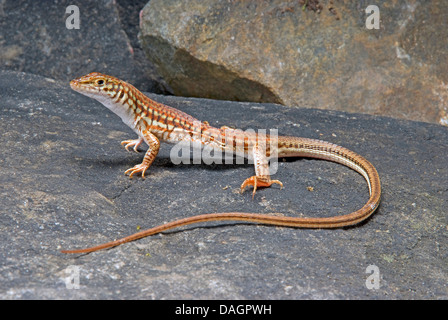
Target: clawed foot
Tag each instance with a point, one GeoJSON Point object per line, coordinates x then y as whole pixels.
{"type": "Point", "coordinates": [137, 169]}
{"type": "Point", "coordinates": [259, 182]}
{"type": "Point", "coordinates": [132, 143]}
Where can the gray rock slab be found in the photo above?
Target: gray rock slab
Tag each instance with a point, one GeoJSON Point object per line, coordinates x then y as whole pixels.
{"type": "Point", "coordinates": [62, 186]}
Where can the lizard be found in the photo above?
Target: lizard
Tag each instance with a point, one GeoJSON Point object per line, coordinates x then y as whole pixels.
{"type": "Point", "coordinates": [154, 122]}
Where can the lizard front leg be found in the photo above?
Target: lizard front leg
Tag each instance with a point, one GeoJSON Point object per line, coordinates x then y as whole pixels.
{"type": "Point", "coordinates": [132, 143]}
{"type": "Point", "coordinates": [262, 177]}
{"type": "Point", "coordinates": [150, 155]}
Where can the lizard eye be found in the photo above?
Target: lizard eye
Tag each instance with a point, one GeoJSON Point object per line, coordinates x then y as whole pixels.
{"type": "Point", "coordinates": [99, 82]}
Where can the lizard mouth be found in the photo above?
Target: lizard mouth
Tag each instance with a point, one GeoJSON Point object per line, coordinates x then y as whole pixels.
{"type": "Point", "coordinates": [74, 84]}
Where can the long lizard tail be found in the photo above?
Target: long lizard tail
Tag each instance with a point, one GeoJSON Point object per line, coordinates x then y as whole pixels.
{"type": "Point", "coordinates": [301, 147]}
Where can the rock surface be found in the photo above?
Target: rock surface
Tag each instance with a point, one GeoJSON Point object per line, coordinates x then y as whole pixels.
{"type": "Point", "coordinates": [34, 38]}
{"type": "Point", "coordinates": [275, 51]}
{"type": "Point", "coordinates": [62, 186]}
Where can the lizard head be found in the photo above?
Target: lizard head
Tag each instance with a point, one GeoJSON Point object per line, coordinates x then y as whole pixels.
{"type": "Point", "coordinates": [96, 85]}
{"type": "Point", "coordinates": [118, 96]}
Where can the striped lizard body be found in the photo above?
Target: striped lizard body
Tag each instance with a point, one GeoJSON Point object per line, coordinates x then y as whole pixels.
{"type": "Point", "coordinates": [154, 122]}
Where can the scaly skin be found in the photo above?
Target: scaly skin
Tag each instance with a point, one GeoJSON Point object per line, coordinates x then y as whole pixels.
{"type": "Point", "coordinates": [154, 122]}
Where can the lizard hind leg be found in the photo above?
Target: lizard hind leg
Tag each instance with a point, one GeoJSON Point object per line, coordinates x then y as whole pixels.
{"type": "Point", "coordinates": [262, 177]}
{"type": "Point", "coordinates": [259, 181]}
